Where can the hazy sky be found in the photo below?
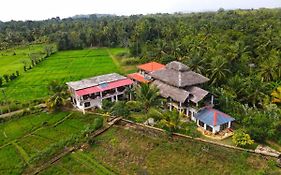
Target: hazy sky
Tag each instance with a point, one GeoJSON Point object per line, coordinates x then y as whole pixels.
{"type": "Point", "coordinates": [44, 9]}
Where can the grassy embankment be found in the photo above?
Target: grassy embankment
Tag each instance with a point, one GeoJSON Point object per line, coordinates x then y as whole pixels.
{"type": "Point", "coordinates": [127, 151]}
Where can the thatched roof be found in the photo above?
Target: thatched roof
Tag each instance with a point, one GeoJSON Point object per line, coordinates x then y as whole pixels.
{"type": "Point", "coordinates": [175, 65]}
{"type": "Point", "coordinates": [94, 81]}
{"type": "Point", "coordinates": [179, 75]}
{"type": "Point", "coordinates": [175, 93]}
{"type": "Point", "coordinates": [197, 94]}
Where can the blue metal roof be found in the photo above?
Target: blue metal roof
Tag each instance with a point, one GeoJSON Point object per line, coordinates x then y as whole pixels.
{"type": "Point", "coordinates": [213, 117]}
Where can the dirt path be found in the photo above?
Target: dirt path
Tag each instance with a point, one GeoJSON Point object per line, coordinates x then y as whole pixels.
{"type": "Point", "coordinates": [10, 114]}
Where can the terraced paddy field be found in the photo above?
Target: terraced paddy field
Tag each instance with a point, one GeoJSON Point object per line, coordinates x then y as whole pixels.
{"type": "Point", "coordinates": [63, 66]}
{"type": "Point", "coordinates": [33, 138]}
{"type": "Point", "coordinates": [129, 151]}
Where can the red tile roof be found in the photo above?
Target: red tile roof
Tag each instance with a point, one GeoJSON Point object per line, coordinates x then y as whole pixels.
{"type": "Point", "coordinates": [104, 87]}
{"type": "Point", "coordinates": [152, 66]}
{"type": "Point", "coordinates": [138, 77]}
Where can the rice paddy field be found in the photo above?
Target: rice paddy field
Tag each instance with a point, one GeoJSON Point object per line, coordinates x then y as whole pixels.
{"type": "Point", "coordinates": [25, 138]}
{"type": "Point", "coordinates": [12, 60]}
{"type": "Point", "coordinates": [63, 66]}
{"type": "Point", "coordinates": [126, 151]}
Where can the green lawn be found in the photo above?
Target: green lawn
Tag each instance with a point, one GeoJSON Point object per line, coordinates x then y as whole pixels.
{"type": "Point", "coordinates": [10, 63]}
{"type": "Point", "coordinates": [29, 136]}
{"type": "Point", "coordinates": [63, 66]}
{"type": "Point", "coordinates": [125, 151]}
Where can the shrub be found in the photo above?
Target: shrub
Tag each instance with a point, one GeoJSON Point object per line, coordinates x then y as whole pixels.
{"type": "Point", "coordinates": [240, 138]}
{"type": "Point", "coordinates": [134, 106]}
{"type": "Point", "coordinates": [123, 55]}
{"type": "Point", "coordinates": [167, 58]}
{"type": "Point", "coordinates": [17, 73]}
{"type": "Point", "coordinates": [107, 104]}
{"type": "Point", "coordinates": [6, 77]}
{"type": "Point", "coordinates": [120, 109]}
{"type": "Point", "coordinates": [190, 129]}
{"type": "Point", "coordinates": [130, 61]}
{"type": "Point", "coordinates": [1, 81]}
{"type": "Point", "coordinates": [13, 76]}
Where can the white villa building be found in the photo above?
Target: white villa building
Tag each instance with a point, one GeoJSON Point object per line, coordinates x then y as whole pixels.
{"type": "Point", "coordinates": [89, 93]}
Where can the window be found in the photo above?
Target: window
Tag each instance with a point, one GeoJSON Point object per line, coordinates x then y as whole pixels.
{"type": "Point", "coordinates": [87, 104]}
{"type": "Point", "coordinates": [201, 124]}
{"type": "Point", "coordinates": [85, 97]}
{"type": "Point", "coordinates": [209, 128]}
{"type": "Point", "coordinates": [224, 126]}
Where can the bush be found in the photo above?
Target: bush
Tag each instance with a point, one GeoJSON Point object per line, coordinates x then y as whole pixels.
{"type": "Point", "coordinates": [240, 138]}
{"type": "Point", "coordinates": [134, 106]}
{"type": "Point", "coordinates": [1, 81]}
{"type": "Point", "coordinates": [6, 77]}
{"type": "Point", "coordinates": [130, 61]}
{"type": "Point", "coordinates": [167, 58]}
{"type": "Point", "coordinates": [12, 76]}
{"type": "Point", "coordinates": [123, 55]}
{"type": "Point", "coordinates": [190, 129]}
{"type": "Point", "coordinates": [120, 109]}
{"type": "Point", "coordinates": [107, 104]}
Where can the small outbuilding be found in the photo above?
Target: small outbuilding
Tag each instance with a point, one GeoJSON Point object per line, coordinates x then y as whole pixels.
{"type": "Point", "coordinates": [213, 120]}
{"type": "Point", "coordinates": [142, 76]}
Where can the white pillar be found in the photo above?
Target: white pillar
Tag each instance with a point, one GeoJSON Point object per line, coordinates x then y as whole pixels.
{"type": "Point", "coordinates": [212, 99]}
{"type": "Point", "coordinates": [116, 97]}
{"type": "Point", "coordinates": [170, 106]}
{"type": "Point", "coordinates": [205, 126]}
{"type": "Point", "coordinates": [101, 95]}
{"type": "Point", "coordinates": [229, 124]}
{"type": "Point", "coordinates": [213, 130]}
{"type": "Point", "coordinates": [180, 107]}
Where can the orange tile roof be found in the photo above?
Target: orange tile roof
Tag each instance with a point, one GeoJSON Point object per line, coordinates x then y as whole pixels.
{"type": "Point", "coordinates": [138, 77]}
{"type": "Point", "coordinates": [152, 66]}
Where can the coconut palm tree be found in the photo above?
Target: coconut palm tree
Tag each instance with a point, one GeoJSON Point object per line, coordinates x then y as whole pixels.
{"type": "Point", "coordinates": [218, 70]}
{"type": "Point", "coordinates": [267, 72]}
{"type": "Point", "coordinates": [58, 96]}
{"type": "Point", "coordinates": [196, 63]}
{"type": "Point", "coordinates": [170, 120]}
{"type": "Point", "coordinates": [255, 90]}
{"type": "Point", "coordinates": [276, 95]}
{"type": "Point", "coordinates": [148, 96]}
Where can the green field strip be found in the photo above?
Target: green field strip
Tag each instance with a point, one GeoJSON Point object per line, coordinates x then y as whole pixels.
{"type": "Point", "coordinates": [22, 152]}
{"type": "Point", "coordinates": [63, 66]}
{"type": "Point", "coordinates": [40, 136]}
{"type": "Point", "coordinates": [64, 169]}
{"type": "Point", "coordinates": [61, 121]}
{"type": "Point", "coordinates": [33, 131]}
{"type": "Point", "coordinates": [91, 163]}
